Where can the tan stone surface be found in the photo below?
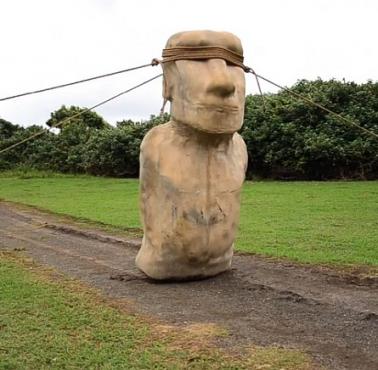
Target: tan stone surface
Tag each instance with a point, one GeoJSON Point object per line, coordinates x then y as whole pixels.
{"type": "Point", "coordinates": [192, 168]}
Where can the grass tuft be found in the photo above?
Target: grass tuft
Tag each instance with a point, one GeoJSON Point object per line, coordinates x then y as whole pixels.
{"type": "Point", "coordinates": [49, 321]}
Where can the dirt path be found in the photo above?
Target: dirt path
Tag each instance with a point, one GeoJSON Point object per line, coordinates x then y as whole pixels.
{"type": "Point", "coordinates": [259, 301]}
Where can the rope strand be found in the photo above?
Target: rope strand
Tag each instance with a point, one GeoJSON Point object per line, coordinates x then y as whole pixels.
{"type": "Point", "coordinates": [77, 82]}
{"type": "Point", "coordinates": [304, 98]}
{"type": "Point", "coordinates": [78, 114]}
{"type": "Point", "coordinates": [249, 69]}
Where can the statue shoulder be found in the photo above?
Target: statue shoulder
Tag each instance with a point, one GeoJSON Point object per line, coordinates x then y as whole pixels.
{"type": "Point", "coordinates": [239, 141]}
{"type": "Point", "coordinates": [241, 148]}
{"type": "Point", "coordinates": [151, 142]}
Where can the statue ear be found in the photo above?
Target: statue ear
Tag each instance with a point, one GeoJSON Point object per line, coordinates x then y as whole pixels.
{"type": "Point", "coordinates": [167, 83]}
{"type": "Point", "coordinates": [166, 94]}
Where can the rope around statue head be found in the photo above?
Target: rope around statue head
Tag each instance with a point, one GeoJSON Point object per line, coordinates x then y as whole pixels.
{"type": "Point", "coordinates": [202, 53]}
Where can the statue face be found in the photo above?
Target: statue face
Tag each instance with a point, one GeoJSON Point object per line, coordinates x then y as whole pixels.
{"type": "Point", "coordinates": [206, 94]}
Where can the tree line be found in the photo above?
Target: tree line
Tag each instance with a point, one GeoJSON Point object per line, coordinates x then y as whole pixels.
{"type": "Point", "coordinates": [286, 137]}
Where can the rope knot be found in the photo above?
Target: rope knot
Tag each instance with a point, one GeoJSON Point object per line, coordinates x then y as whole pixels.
{"type": "Point", "coordinates": [155, 62]}
{"type": "Point", "coordinates": [249, 70]}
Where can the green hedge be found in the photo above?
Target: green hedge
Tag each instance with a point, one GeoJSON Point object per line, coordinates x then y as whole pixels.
{"type": "Point", "coordinates": [290, 139]}
{"type": "Point", "coordinates": [286, 137]}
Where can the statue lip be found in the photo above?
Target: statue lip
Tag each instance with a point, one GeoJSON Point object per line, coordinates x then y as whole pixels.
{"type": "Point", "coordinates": [219, 108]}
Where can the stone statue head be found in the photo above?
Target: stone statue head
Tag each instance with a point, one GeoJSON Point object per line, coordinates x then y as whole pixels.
{"type": "Point", "coordinates": [205, 93]}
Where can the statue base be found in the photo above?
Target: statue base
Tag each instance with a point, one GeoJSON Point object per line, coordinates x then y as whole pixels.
{"type": "Point", "coordinates": [170, 267]}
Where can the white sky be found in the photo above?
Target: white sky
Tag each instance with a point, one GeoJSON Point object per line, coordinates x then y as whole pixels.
{"type": "Point", "coordinates": [48, 42]}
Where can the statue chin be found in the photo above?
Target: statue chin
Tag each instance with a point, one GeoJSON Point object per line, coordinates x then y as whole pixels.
{"type": "Point", "coordinates": [210, 120]}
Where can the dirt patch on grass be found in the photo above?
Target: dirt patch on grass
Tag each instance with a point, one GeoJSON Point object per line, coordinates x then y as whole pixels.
{"type": "Point", "coordinates": [260, 303]}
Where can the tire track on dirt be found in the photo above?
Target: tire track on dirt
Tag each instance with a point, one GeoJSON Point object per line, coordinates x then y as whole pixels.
{"type": "Point", "coordinates": [259, 301]}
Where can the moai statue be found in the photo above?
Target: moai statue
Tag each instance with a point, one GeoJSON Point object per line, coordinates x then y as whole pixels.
{"type": "Point", "coordinates": [193, 167]}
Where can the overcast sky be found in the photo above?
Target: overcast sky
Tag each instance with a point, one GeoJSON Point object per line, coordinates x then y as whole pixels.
{"type": "Point", "coordinates": [50, 42]}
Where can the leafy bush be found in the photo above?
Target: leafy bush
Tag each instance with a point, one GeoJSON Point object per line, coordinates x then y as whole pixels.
{"type": "Point", "coordinates": [291, 139]}
{"type": "Point", "coordinates": [288, 139]}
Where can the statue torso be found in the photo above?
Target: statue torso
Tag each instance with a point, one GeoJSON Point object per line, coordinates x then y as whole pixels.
{"type": "Point", "coordinates": [190, 192]}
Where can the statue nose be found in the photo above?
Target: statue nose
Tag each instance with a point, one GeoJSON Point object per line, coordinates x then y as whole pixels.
{"type": "Point", "coordinates": [221, 83]}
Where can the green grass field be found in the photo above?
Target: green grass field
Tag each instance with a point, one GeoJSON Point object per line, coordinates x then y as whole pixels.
{"type": "Point", "coordinates": [52, 322]}
{"type": "Point", "coordinates": [315, 222]}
